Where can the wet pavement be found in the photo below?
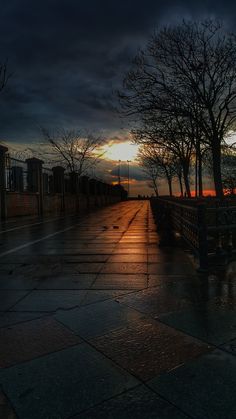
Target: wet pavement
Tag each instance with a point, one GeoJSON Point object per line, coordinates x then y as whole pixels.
{"type": "Point", "coordinates": [98, 321]}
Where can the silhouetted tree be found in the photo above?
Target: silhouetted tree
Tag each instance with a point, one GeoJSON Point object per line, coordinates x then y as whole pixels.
{"type": "Point", "coordinates": [158, 164]}
{"type": "Point", "coordinates": [187, 72]}
{"type": "Point", "coordinates": [72, 149]}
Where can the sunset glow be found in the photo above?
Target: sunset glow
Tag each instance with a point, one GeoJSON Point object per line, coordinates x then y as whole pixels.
{"type": "Point", "coordinates": [121, 151]}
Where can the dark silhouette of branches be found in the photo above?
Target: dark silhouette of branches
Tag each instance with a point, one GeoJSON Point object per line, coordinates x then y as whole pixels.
{"type": "Point", "coordinates": [73, 149]}
{"type": "Point", "coordinates": [181, 93]}
{"type": "Point", "coordinates": [159, 164]}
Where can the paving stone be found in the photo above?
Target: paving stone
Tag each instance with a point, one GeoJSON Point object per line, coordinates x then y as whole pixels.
{"type": "Point", "coordinates": [170, 268]}
{"type": "Point", "coordinates": [69, 281]}
{"type": "Point", "coordinates": [139, 403]}
{"type": "Point", "coordinates": [92, 251]}
{"type": "Point", "coordinates": [94, 296]}
{"type": "Point", "coordinates": [120, 281]}
{"type": "Point", "coordinates": [10, 297]}
{"type": "Point", "coordinates": [125, 268]}
{"type": "Point", "coordinates": [38, 271]}
{"type": "Point", "coordinates": [155, 301]}
{"type": "Point", "coordinates": [7, 268]}
{"type": "Point", "coordinates": [146, 348]}
{"type": "Point", "coordinates": [173, 257]}
{"type": "Point", "coordinates": [6, 411]}
{"type": "Point", "coordinates": [130, 250]}
{"type": "Point", "coordinates": [59, 385]}
{"type": "Point", "coordinates": [137, 258]}
{"type": "Point", "coordinates": [50, 300]}
{"type": "Point", "coordinates": [163, 280]}
{"type": "Point", "coordinates": [203, 388]}
{"type": "Point", "coordinates": [86, 258]}
{"type": "Point", "coordinates": [31, 339]}
{"type": "Point", "coordinates": [9, 318]}
{"type": "Point", "coordinates": [83, 267]}
{"type": "Point", "coordinates": [138, 246]}
{"type": "Point", "coordinates": [14, 282]}
{"type": "Point", "coordinates": [229, 347]}
{"type": "Point", "coordinates": [209, 325]}
{"type": "Point", "coordinates": [97, 319]}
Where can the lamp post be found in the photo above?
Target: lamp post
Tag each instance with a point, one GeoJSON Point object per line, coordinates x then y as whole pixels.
{"type": "Point", "coordinates": [128, 161]}
{"type": "Point", "coordinates": [119, 173]}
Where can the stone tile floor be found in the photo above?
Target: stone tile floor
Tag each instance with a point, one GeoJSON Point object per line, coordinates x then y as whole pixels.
{"type": "Point", "coordinates": [97, 321]}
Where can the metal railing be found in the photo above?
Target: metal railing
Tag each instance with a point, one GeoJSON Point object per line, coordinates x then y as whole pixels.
{"type": "Point", "coordinates": [16, 175]}
{"type": "Point", "coordinates": [209, 231]}
{"type": "Point", "coordinates": [47, 180]}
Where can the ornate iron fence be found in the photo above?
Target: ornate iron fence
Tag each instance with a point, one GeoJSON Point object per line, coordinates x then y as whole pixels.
{"type": "Point", "coordinates": [209, 231]}
{"type": "Point", "coordinates": [16, 175]}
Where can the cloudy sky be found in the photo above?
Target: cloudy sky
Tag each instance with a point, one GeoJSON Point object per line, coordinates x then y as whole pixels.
{"type": "Point", "coordinates": [67, 57]}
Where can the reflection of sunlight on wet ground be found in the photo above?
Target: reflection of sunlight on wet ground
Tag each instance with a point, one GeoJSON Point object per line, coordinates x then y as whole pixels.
{"type": "Point", "coordinates": [121, 151]}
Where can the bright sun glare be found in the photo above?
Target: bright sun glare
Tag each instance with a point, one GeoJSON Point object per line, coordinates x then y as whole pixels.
{"type": "Point", "coordinates": [121, 151]}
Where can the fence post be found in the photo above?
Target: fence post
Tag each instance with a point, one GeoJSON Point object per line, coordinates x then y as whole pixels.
{"type": "Point", "coordinates": [3, 202]}
{"type": "Point", "coordinates": [35, 181]}
{"type": "Point", "coordinates": [202, 238]}
{"type": "Point", "coordinates": [59, 183]}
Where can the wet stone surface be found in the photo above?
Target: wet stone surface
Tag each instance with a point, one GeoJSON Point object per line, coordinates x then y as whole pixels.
{"type": "Point", "coordinates": [95, 320]}
{"type": "Point", "coordinates": [31, 339]}
{"type": "Point", "coordinates": [64, 383]}
{"type": "Point", "coordinates": [50, 300]}
{"type": "Point", "coordinates": [134, 404]}
{"type": "Point", "coordinates": [203, 388]}
{"type": "Point", "coordinates": [213, 326]}
{"type": "Point", "coordinates": [155, 301]}
{"type": "Point", "coordinates": [90, 314]}
{"type": "Point", "coordinates": [121, 281]}
{"type": "Point", "coordinates": [146, 348]}
{"type": "Point", "coordinates": [6, 411]}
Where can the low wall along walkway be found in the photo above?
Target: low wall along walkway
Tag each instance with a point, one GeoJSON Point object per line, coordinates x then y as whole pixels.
{"type": "Point", "coordinates": [27, 188]}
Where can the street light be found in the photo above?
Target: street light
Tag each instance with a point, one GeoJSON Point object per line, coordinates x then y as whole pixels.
{"type": "Point", "coordinates": [119, 173]}
{"type": "Point", "coordinates": [128, 161]}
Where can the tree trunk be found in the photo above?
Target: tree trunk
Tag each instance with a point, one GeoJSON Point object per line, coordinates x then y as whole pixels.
{"type": "Point", "coordinates": [196, 173]}
{"type": "Point", "coordinates": [200, 174]}
{"type": "Point", "coordinates": [186, 179]}
{"type": "Point", "coordinates": [216, 157]}
{"type": "Point", "coordinates": [156, 190]}
{"type": "Point", "coordinates": [181, 185]}
{"type": "Point", "coordinates": [169, 180]}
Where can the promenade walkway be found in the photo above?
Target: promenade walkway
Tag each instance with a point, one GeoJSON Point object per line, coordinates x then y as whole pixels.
{"type": "Point", "coordinates": [97, 321]}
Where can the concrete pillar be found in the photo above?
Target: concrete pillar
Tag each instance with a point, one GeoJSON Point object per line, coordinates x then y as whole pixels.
{"type": "Point", "coordinates": [3, 203]}
{"type": "Point", "coordinates": [34, 180]}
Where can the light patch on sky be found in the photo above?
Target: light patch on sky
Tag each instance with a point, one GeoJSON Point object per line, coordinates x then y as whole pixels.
{"type": "Point", "coordinates": [122, 151]}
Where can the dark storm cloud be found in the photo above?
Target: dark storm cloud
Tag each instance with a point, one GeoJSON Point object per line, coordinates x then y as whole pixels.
{"type": "Point", "coordinates": [68, 56]}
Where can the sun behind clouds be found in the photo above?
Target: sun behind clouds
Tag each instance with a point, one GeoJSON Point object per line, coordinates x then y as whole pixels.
{"type": "Point", "coordinates": [121, 151]}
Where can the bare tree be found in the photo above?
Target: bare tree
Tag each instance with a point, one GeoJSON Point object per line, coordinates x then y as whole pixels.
{"type": "Point", "coordinates": [173, 138]}
{"type": "Point", "coordinates": [187, 71]}
{"type": "Point", "coordinates": [158, 164]}
{"type": "Point", "coordinates": [151, 170]}
{"type": "Point", "coordinates": [72, 149]}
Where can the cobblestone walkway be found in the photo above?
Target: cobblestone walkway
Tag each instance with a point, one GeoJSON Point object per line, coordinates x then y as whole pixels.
{"type": "Point", "coordinates": [97, 321]}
